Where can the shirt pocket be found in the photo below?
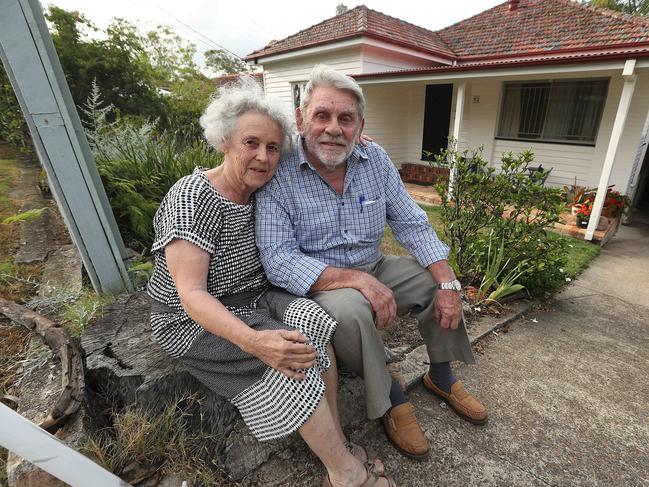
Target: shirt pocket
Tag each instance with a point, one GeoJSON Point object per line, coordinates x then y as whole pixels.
{"type": "Point", "coordinates": [317, 223]}
{"type": "Point", "coordinates": [372, 220]}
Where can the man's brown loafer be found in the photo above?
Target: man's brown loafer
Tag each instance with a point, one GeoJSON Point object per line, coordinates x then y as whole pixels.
{"type": "Point", "coordinates": [464, 404]}
{"type": "Point", "coordinates": [404, 432]}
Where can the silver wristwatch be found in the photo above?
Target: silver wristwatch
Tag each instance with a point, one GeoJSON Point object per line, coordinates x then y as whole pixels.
{"type": "Point", "coordinates": [450, 286]}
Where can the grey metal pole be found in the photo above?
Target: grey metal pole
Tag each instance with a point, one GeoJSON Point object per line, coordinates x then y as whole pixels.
{"type": "Point", "coordinates": [29, 57]}
{"type": "Point", "coordinates": [37, 446]}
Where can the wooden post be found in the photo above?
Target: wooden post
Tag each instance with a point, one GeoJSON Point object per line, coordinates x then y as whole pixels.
{"type": "Point", "coordinates": [35, 73]}
{"type": "Point", "coordinates": [616, 135]}
{"type": "Point", "coordinates": [457, 126]}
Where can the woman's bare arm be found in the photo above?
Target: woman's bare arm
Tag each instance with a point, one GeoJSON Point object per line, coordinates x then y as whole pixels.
{"type": "Point", "coordinates": [283, 350]}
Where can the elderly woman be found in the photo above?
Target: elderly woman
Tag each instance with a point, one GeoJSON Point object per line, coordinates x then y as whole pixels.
{"type": "Point", "coordinates": [267, 351]}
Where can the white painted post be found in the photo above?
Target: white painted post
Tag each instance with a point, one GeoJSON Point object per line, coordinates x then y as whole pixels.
{"type": "Point", "coordinates": [29, 57]}
{"type": "Point", "coordinates": [37, 446]}
{"type": "Point", "coordinates": [616, 135]}
{"type": "Point", "coordinates": [459, 110]}
{"type": "Point", "coordinates": [457, 125]}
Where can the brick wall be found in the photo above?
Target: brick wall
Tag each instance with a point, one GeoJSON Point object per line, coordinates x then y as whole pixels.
{"type": "Point", "coordinates": [419, 173]}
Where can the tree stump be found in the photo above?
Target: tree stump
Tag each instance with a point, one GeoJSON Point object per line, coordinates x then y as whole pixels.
{"type": "Point", "coordinates": [126, 367]}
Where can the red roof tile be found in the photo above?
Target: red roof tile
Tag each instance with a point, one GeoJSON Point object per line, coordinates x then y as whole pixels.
{"type": "Point", "coordinates": [357, 22]}
{"type": "Point", "coordinates": [535, 26]}
{"type": "Point", "coordinates": [542, 25]}
{"type": "Point", "coordinates": [230, 78]}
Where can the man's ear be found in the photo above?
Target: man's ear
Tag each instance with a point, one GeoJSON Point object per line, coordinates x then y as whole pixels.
{"type": "Point", "coordinates": [299, 121]}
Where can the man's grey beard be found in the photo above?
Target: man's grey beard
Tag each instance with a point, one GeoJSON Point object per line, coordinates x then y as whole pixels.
{"type": "Point", "coordinates": [329, 161]}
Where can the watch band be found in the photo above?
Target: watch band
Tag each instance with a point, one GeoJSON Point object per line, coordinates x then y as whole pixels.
{"type": "Point", "coordinates": [453, 285]}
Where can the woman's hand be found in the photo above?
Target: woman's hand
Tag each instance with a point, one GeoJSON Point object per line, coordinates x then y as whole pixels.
{"type": "Point", "coordinates": [284, 350]}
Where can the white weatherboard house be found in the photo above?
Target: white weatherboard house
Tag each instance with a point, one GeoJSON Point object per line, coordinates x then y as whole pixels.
{"type": "Point", "coordinates": [567, 80]}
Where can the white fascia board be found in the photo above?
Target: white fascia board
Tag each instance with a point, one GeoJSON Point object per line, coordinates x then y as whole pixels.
{"type": "Point", "coordinates": [359, 41]}
{"type": "Point", "coordinates": [642, 63]}
{"type": "Point", "coordinates": [499, 73]}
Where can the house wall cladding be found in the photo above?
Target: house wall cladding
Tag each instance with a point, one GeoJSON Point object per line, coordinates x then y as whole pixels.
{"type": "Point", "coordinates": [586, 162]}
{"type": "Point", "coordinates": [279, 75]}
{"type": "Point", "coordinates": [395, 114]}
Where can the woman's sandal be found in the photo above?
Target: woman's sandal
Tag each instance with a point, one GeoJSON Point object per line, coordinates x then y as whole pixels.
{"type": "Point", "coordinates": [372, 479]}
{"type": "Point", "coordinates": [366, 455]}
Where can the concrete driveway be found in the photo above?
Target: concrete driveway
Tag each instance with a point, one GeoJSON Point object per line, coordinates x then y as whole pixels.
{"type": "Point", "coordinates": [567, 389]}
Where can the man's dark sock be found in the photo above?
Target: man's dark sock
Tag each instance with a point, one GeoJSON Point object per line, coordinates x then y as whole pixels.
{"type": "Point", "coordinates": [396, 394]}
{"type": "Point", "coordinates": [440, 374]}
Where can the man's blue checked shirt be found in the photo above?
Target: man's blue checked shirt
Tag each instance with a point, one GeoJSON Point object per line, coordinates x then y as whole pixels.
{"type": "Point", "coordinates": [303, 225]}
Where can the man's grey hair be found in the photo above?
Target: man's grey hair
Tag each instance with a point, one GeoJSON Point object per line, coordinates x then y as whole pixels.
{"type": "Point", "coordinates": [236, 99]}
{"type": "Point", "coordinates": [323, 76]}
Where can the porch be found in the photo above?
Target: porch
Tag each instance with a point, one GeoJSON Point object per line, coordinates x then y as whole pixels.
{"type": "Point", "coordinates": [604, 131]}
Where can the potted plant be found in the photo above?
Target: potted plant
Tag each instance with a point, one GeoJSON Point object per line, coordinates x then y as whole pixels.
{"type": "Point", "coordinates": [583, 214]}
{"type": "Point", "coordinates": [615, 203]}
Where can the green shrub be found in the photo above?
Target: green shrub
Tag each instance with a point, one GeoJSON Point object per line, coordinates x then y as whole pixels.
{"type": "Point", "coordinates": [473, 204]}
{"type": "Point", "coordinates": [138, 166]}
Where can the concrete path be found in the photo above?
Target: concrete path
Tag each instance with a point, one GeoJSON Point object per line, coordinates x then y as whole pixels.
{"type": "Point", "coordinates": [566, 387]}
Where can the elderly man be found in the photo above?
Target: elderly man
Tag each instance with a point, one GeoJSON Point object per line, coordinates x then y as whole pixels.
{"type": "Point", "coordinates": [319, 228]}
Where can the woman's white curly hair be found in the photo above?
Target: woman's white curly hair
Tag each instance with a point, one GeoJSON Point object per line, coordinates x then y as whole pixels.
{"type": "Point", "coordinates": [235, 99]}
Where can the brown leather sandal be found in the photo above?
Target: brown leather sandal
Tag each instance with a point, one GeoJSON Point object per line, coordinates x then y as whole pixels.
{"type": "Point", "coordinates": [372, 479]}
{"type": "Point", "coordinates": [366, 455]}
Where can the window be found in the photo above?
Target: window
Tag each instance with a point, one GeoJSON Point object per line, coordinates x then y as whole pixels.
{"type": "Point", "coordinates": [553, 111]}
{"type": "Point", "coordinates": [297, 90]}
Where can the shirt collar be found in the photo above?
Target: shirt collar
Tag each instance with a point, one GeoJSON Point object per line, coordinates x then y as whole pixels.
{"type": "Point", "coordinates": [358, 154]}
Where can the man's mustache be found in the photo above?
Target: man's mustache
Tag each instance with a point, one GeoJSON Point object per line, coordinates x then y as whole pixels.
{"type": "Point", "coordinates": [335, 140]}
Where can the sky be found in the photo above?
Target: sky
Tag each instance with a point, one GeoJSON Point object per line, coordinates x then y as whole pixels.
{"type": "Point", "coordinates": [247, 25]}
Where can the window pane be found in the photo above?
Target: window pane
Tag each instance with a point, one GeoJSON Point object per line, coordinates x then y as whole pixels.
{"type": "Point", "coordinates": [553, 111]}
{"type": "Point", "coordinates": [574, 111]}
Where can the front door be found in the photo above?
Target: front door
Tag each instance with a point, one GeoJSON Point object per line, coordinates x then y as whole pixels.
{"type": "Point", "coordinates": [437, 118]}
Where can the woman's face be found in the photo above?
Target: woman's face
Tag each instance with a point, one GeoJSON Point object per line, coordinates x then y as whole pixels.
{"type": "Point", "coordinates": [252, 152]}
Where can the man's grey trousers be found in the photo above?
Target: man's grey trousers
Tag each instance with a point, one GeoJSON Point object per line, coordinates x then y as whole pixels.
{"type": "Point", "coordinates": [358, 343]}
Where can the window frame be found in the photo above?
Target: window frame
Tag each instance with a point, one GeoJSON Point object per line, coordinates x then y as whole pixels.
{"type": "Point", "coordinates": [551, 82]}
{"type": "Point", "coordinates": [301, 85]}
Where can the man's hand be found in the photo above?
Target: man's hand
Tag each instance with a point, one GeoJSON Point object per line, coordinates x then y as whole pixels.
{"type": "Point", "coordinates": [448, 308]}
{"type": "Point", "coordinates": [284, 350]}
{"type": "Point", "coordinates": [381, 299]}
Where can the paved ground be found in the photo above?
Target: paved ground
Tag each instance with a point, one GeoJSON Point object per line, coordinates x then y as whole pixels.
{"type": "Point", "coordinates": [566, 388]}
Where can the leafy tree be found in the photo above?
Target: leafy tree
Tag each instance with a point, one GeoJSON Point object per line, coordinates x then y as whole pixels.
{"type": "Point", "coordinates": [223, 62]}
{"type": "Point", "coordinates": [13, 128]}
{"type": "Point", "coordinates": [170, 57]}
{"type": "Point", "coordinates": [118, 64]}
{"type": "Point", "coordinates": [633, 7]}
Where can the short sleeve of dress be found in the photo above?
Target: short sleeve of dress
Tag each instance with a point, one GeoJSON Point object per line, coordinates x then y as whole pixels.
{"type": "Point", "coordinates": [190, 211]}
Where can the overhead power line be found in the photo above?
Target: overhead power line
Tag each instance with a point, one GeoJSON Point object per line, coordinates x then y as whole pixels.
{"type": "Point", "coordinates": [211, 42]}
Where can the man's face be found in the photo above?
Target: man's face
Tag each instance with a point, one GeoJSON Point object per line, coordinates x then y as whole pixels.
{"type": "Point", "coordinates": [330, 126]}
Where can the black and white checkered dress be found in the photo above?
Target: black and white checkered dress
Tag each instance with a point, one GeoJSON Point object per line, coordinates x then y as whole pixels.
{"type": "Point", "coordinates": [271, 404]}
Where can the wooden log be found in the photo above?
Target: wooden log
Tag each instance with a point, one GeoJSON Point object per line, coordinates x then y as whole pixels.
{"type": "Point", "coordinates": [68, 352]}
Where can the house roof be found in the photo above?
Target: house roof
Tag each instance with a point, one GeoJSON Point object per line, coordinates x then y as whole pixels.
{"type": "Point", "coordinates": [357, 22]}
{"type": "Point", "coordinates": [230, 78]}
{"type": "Point", "coordinates": [534, 26]}
{"type": "Point", "coordinates": [542, 25]}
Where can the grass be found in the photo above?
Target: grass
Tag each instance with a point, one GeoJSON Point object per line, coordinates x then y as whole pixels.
{"type": "Point", "coordinates": [580, 252]}
{"type": "Point", "coordinates": [155, 444]}
{"type": "Point", "coordinates": [389, 246]}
